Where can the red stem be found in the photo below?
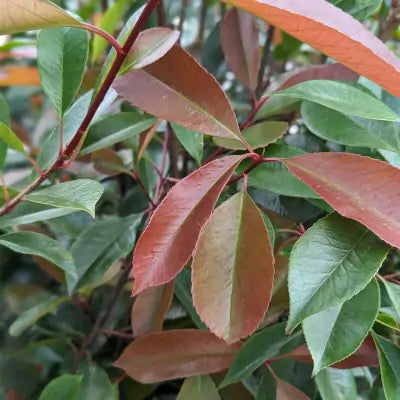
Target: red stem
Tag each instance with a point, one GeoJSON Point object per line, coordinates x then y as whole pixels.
{"type": "Point", "coordinates": [105, 35]}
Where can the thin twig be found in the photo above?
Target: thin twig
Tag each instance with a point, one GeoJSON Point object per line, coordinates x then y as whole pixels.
{"type": "Point", "coordinates": [182, 16]}
{"type": "Point", "coordinates": [265, 61]}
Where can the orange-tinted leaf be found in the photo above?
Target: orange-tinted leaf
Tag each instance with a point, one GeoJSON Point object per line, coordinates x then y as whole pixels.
{"type": "Point", "coordinates": [175, 354]}
{"type": "Point", "coordinates": [233, 269]}
{"type": "Point", "coordinates": [108, 162]}
{"type": "Point", "coordinates": [286, 391]}
{"type": "Point", "coordinates": [239, 40]}
{"type": "Point", "coordinates": [12, 75]}
{"type": "Point", "coordinates": [333, 32]}
{"type": "Point", "coordinates": [178, 89]}
{"type": "Point", "coordinates": [332, 72]}
{"type": "Point", "coordinates": [361, 188]}
{"type": "Point", "coordinates": [149, 309]}
{"type": "Point", "coordinates": [145, 138]}
{"type": "Point", "coordinates": [167, 243]}
{"type": "Point", "coordinates": [365, 356]}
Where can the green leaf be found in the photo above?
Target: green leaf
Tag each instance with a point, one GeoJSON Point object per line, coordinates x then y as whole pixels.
{"type": "Point", "coordinates": [62, 55]}
{"type": "Point", "coordinates": [198, 388]}
{"type": "Point", "coordinates": [81, 194]}
{"type": "Point", "coordinates": [387, 320]}
{"type": "Point", "coordinates": [183, 291]}
{"type": "Point", "coordinates": [64, 387]}
{"type": "Point", "coordinates": [336, 384]}
{"type": "Point", "coordinates": [275, 177]}
{"type": "Point", "coordinates": [262, 346]}
{"type": "Point", "coordinates": [108, 23]}
{"type": "Point", "coordinates": [393, 290]}
{"type": "Point", "coordinates": [341, 97]}
{"type": "Point", "coordinates": [11, 192]}
{"type": "Point", "coordinates": [40, 245]}
{"type": "Point", "coordinates": [352, 131]}
{"type": "Point", "coordinates": [102, 244]}
{"type": "Point", "coordinates": [360, 9]}
{"type": "Point", "coordinates": [278, 105]}
{"type": "Point", "coordinates": [192, 141]}
{"type": "Point", "coordinates": [115, 129]}
{"type": "Point", "coordinates": [95, 384]}
{"type": "Point", "coordinates": [32, 315]}
{"type": "Point", "coordinates": [29, 213]}
{"type": "Point", "coordinates": [5, 119]}
{"type": "Point", "coordinates": [257, 136]}
{"type": "Point", "coordinates": [332, 262]}
{"type": "Point", "coordinates": [336, 333]}
{"type": "Point", "coordinates": [389, 361]}
{"type": "Point", "coordinates": [10, 138]}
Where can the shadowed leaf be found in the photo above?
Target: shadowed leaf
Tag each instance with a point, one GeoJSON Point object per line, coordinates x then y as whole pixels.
{"type": "Point", "coordinates": [198, 388]}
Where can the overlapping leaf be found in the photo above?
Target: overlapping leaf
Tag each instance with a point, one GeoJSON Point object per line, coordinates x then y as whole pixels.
{"type": "Point", "coordinates": [286, 391]}
{"type": "Point", "coordinates": [176, 88]}
{"type": "Point", "coordinates": [369, 194]}
{"type": "Point", "coordinates": [335, 384]}
{"type": "Point", "coordinates": [233, 269]}
{"type": "Point", "coordinates": [175, 354]}
{"type": "Point", "coordinates": [335, 33]}
{"type": "Point", "coordinates": [198, 388]}
{"type": "Point", "coordinates": [64, 387]}
{"type": "Point", "coordinates": [169, 239]}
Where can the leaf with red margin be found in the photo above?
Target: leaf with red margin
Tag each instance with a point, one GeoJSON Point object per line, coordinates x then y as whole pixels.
{"type": "Point", "coordinates": [333, 32]}
{"type": "Point", "coordinates": [175, 354]}
{"type": "Point", "coordinates": [168, 242]}
{"type": "Point", "coordinates": [286, 391]}
{"type": "Point", "coordinates": [233, 269]}
{"type": "Point", "coordinates": [149, 309]}
{"type": "Point", "coordinates": [178, 89]}
{"type": "Point", "coordinates": [361, 188]}
{"type": "Point", "coordinates": [239, 40]}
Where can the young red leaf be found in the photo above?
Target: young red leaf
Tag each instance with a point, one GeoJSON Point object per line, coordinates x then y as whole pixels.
{"type": "Point", "coordinates": [333, 32]}
{"type": "Point", "coordinates": [171, 235]}
{"type": "Point", "coordinates": [286, 391]}
{"type": "Point", "coordinates": [239, 40]}
{"type": "Point", "coordinates": [233, 269]}
{"type": "Point", "coordinates": [149, 309]}
{"type": "Point", "coordinates": [361, 188]}
{"type": "Point", "coordinates": [175, 354]}
{"type": "Point", "coordinates": [178, 89]}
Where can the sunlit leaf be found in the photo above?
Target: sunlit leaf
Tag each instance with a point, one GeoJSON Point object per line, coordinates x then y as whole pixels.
{"type": "Point", "coordinates": [64, 387]}
{"type": "Point", "coordinates": [10, 138]}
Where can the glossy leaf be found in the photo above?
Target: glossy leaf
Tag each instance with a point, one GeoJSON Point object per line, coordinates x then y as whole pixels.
{"type": "Point", "coordinates": [62, 55]}
{"type": "Point", "coordinates": [233, 269]}
{"type": "Point", "coordinates": [341, 97]}
{"type": "Point", "coordinates": [169, 239]}
{"type": "Point", "coordinates": [150, 46]}
{"type": "Point", "coordinates": [337, 332]}
{"type": "Point", "coordinates": [176, 88]}
{"type": "Point", "coordinates": [258, 135]}
{"type": "Point", "coordinates": [262, 346]}
{"type": "Point", "coordinates": [332, 262]}
{"type": "Point", "coordinates": [10, 138]}
{"type": "Point", "coordinates": [81, 194]}
{"type": "Point", "coordinates": [352, 131]}
{"type": "Point", "coordinates": [150, 308]}
{"type": "Point", "coordinates": [335, 384]}
{"type": "Point", "coordinates": [40, 245]}
{"type": "Point", "coordinates": [393, 290]}
{"type": "Point", "coordinates": [192, 141]}
{"type": "Point", "coordinates": [198, 388]}
{"type": "Point", "coordinates": [239, 40]}
{"type": "Point", "coordinates": [22, 15]}
{"type": "Point", "coordinates": [389, 361]}
{"type": "Point", "coordinates": [286, 391]}
{"type": "Point", "coordinates": [32, 315]}
{"type": "Point", "coordinates": [175, 354]}
{"type": "Point", "coordinates": [324, 24]}
{"type": "Point", "coordinates": [64, 387]}
{"type": "Point", "coordinates": [369, 194]}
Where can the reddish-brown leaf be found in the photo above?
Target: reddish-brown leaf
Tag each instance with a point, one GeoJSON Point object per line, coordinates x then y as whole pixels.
{"type": "Point", "coordinates": [239, 40]}
{"type": "Point", "coordinates": [332, 72]}
{"type": "Point", "coordinates": [149, 309]}
{"type": "Point", "coordinates": [365, 356]}
{"type": "Point", "coordinates": [361, 188]}
{"type": "Point", "coordinates": [175, 354]}
{"type": "Point", "coordinates": [286, 391]}
{"type": "Point", "coordinates": [171, 235]}
{"type": "Point", "coordinates": [333, 32]}
{"type": "Point", "coordinates": [178, 89]}
{"type": "Point", "coordinates": [233, 269]}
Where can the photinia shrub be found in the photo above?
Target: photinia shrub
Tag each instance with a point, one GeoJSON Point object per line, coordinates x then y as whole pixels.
{"type": "Point", "coordinates": [200, 200]}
